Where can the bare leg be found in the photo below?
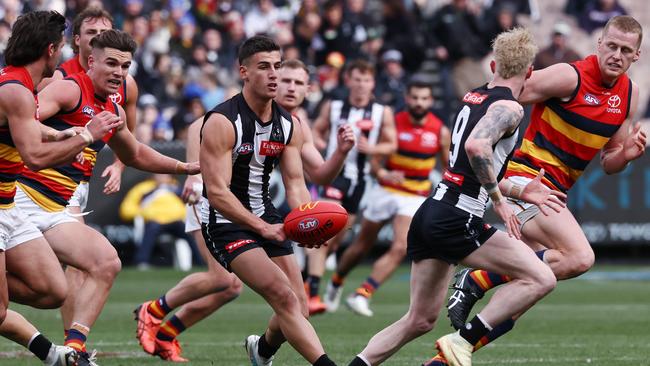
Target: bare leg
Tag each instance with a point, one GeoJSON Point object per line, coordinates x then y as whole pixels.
{"type": "Point", "coordinates": [17, 328]}
{"type": "Point", "coordinates": [4, 293]}
{"type": "Point", "coordinates": [75, 279]}
{"type": "Point", "coordinates": [359, 248]}
{"type": "Point", "coordinates": [389, 261]}
{"type": "Point", "coordinates": [429, 281]}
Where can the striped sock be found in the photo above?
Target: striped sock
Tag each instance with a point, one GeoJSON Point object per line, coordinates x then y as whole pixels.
{"type": "Point", "coordinates": [170, 329]}
{"type": "Point", "coordinates": [495, 333]}
{"type": "Point", "coordinates": [65, 333]}
{"type": "Point", "coordinates": [368, 288]}
{"type": "Point", "coordinates": [159, 308]}
{"type": "Point", "coordinates": [488, 280]}
{"type": "Point", "coordinates": [337, 280]}
{"type": "Point", "coordinates": [75, 340]}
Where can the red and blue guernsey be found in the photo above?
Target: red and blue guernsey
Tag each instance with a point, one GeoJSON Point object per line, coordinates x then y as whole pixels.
{"type": "Point", "coordinates": [11, 164]}
{"type": "Point", "coordinates": [564, 136]}
{"type": "Point", "coordinates": [416, 154]}
{"type": "Point", "coordinates": [73, 66]}
{"type": "Point", "coordinates": [52, 188]}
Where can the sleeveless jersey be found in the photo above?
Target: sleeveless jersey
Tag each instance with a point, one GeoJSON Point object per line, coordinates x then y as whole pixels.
{"type": "Point", "coordinates": [73, 66]}
{"type": "Point", "coordinates": [417, 147]}
{"type": "Point", "coordinates": [11, 164]}
{"type": "Point", "coordinates": [460, 187]}
{"type": "Point", "coordinates": [257, 150]}
{"type": "Point", "coordinates": [52, 188]}
{"type": "Point", "coordinates": [564, 136]}
{"type": "Point", "coordinates": [364, 121]}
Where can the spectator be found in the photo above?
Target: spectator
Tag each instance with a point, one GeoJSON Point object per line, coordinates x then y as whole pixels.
{"type": "Point", "coordinates": [191, 109]}
{"type": "Point", "coordinates": [598, 12]}
{"type": "Point", "coordinates": [156, 201]}
{"type": "Point", "coordinates": [337, 36]}
{"type": "Point", "coordinates": [391, 81]}
{"type": "Point", "coordinates": [262, 18]}
{"type": "Point", "coordinates": [235, 37]}
{"type": "Point", "coordinates": [497, 20]}
{"type": "Point", "coordinates": [401, 33]}
{"type": "Point", "coordinates": [558, 51]}
{"type": "Point", "coordinates": [147, 115]}
{"type": "Point", "coordinates": [307, 38]}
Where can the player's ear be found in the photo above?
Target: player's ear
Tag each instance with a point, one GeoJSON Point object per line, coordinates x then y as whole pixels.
{"type": "Point", "coordinates": [637, 54]}
{"type": "Point", "coordinates": [76, 40]}
{"type": "Point", "coordinates": [51, 49]}
{"type": "Point", "coordinates": [91, 61]}
{"type": "Point", "coordinates": [493, 66]}
{"type": "Point", "coordinates": [243, 72]}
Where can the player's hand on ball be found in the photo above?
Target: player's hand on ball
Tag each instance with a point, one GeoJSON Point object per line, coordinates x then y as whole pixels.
{"type": "Point", "coordinates": [274, 232]}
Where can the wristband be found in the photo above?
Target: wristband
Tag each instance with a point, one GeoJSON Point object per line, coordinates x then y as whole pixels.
{"type": "Point", "coordinates": [514, 190]}
{"type": "Point", "coordinates": [87, 136]}
{"type": "Point", "coordinates": [494, 193]}
{"type": "Point", "coordinates": [181, 168]}
{"type": "Point", "coordinates": [50, 135]}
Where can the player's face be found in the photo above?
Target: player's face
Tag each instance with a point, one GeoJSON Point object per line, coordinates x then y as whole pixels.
{"type": "Point", "coordinates": [109, 67]}
{"type": "Point", "coordinates": [260, 72]}
{"type": "Point", "coordinates": [53, 59]}
{"type": "Point", "coordinates": [360, 83]}
{"type": "Point", "coordinates": [617, 51]}
{"type": "Point", "coordinates": [419, 101]}
{"type": "Point", "coordinates": [89, 28]}
{"type": "Point", "coordinates": [292, 88]}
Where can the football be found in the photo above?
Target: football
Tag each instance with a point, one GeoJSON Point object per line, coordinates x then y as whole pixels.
{"type": "Point", "coordinates": [315, 222]}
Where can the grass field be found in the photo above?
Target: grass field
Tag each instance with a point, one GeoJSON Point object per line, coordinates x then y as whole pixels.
{"type": "Point", "coordinates": [583, 322]}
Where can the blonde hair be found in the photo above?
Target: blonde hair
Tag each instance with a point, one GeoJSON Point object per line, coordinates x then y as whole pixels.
{"type": "Point", "coordinates": [514, 52]}
{"type": "Point", "coordinates": [625, 24]}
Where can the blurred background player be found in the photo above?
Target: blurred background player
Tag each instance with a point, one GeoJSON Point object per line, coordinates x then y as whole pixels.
{"type": "Point", "coordinates": [374, 127]}
{"type": "Point", "coordinates": [404, 183]}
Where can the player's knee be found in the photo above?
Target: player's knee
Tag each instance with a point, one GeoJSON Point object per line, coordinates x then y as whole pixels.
{"type": "Point", "coordinates": [398, 250]}
{"type": "Point", "coordinates": [581, 263]}
{"type": "Point", "coordinates": [234, 290]}
{"type": "Point", "coordinates": [281, 297]}
{"type": "Point", "coordinates": [419, 324]}
{"type": "Point", "coordinates": [3, 313]}
{"type": "Point", "coordinates": [57, 294]}
{"type": "Point", "coordinates": [107, 266]}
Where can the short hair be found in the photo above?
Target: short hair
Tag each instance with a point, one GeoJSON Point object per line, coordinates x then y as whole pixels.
{"type": "Point", "coordinates": [91, 12]}
{"type": "Point", "coordinates": [514, 52]}
{"type": "Point", "coordinates": [626, 24]}
{"type": "Point", "coordinates": [362, 65]}
{"type": "Point", "coordinates": [254, 45]}
{"type": "Point", "coordinates": [114, 38]}
{"type": "Point", "coordinates": [294, 65]}
{"type": "Point", "coordinates": [31, 35]}
{"type": "Point", "coordinates": [418, 84]}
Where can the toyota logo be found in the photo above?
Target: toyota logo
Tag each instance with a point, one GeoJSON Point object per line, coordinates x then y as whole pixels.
{"type": "Point", "coordinates": [614, 101]}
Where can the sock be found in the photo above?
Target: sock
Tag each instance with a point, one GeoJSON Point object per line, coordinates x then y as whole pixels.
{"type": "Point", "coordinates": [337, 280]}
{"type": "Point", "coordinates": [540, 254]}
{"type": "Point", "coordinates": [159, 308]}
{"type": "Point", "coordinates": [359, 361]}
{"type": "Point", "coordinates": [368, 287]}
{"type": "Point", "coordinates": [39, 346]}
{"type": "Point", "coordinates": [487, 280]}
{"type": "Point", "coordinates": [313, 283]}
{"type": "Point", "coordinates": [264, 349]}
{"type": "Point", "coordinates": [475, 330]}
{"type": "Point", "coordinates": [495, 333]}
{"type": "Point", "coordinates": [75, 340]}
{"type": "Point", "coordinates": [324, 361]}
{"type": "Point", "coordinates": [170, 329]}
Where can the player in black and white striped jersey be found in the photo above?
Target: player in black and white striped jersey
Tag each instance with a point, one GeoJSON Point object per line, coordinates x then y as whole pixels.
{"type": "Point", "coordinates": [242, 140]}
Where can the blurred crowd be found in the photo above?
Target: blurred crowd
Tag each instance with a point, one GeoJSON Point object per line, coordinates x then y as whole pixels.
{"type": "Point", "coordinates": [186, 60]}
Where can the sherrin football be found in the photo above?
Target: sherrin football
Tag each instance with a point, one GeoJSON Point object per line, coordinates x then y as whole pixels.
{"type": "Point", "coordinates": [315, 222]}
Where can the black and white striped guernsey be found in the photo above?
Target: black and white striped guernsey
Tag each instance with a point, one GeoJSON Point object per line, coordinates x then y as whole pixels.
{"type": "Point", "coordinates": [364, 121]}
{"type": "Point", "coordinates": [257, 150]}
{"type": "Point", "coordinates": [460, 187]}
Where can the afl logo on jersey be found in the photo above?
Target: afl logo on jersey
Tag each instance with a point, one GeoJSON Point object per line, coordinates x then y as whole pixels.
{"type": "Point", "coordinates": [116, 98]}
{"type": "Point", "coordinates": [245, 149]}
{"type": "Point", "coordinates": [88, 111]}
{"type": "Point", "coordinates": [590, 99]}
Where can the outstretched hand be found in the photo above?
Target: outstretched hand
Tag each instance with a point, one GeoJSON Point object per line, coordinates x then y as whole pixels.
{"type": "Point", "coordinates": [537, 193]}
{"type": "Point", "coordinates": [634, 144]}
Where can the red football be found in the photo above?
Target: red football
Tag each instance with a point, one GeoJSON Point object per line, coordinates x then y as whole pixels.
{"type": "Point", "coordinates": [315, 222]}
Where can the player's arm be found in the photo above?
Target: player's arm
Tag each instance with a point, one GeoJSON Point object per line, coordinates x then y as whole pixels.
{"type": "Point", "coordinates": [292, 176]}
{"type": "Point", "coordinates": [216, 157]}
{"type": "Point", "coordinates": [502, 117]}
{"type": "Point", "coordinates": [321, 126]}
{"type": "Point", "coordinates": [19, 106]}
{"type": "Point", "coordinates": [445, 143]}
{"type": "Point", "coordinates": [387, 142]}
{"type": "Point", "coordinates": [318, 170]}
{"type": "Point", "coordinates": [58, 75]}
{"type": "Point", "coordinates": [114, 171]}
{"type": "Point", "coordinates": [140, 156]}
{"type": "Point", "coordinates": [556, 81]}
{"type": "Point", "coordinates": [192, 148]}
{"type": "Point", "coordinates": [627, 144]}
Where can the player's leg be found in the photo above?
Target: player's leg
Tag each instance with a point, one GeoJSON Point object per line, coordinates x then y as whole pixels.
{"type": "Point", "coordinates": [84, 248]}
{"type": "Point", "coordinates": [383, 267]}
{"type": "Point", "coordinates": [4, 292]}
{"type": "Point", "coordinates": [74, 277]}
{"type": "Point", "coordinates": [531, 280]}
{"type": "Point", "coordinates": [18, 329]}
{"type": "Point", "coordinates": [429, 279]}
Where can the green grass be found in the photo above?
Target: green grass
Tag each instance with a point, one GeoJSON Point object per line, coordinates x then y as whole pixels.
{"type": "Point", "coordinates": [581, 323]}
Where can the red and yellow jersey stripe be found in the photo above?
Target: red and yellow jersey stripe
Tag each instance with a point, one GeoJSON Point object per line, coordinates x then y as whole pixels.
{"type": "Point", "coordinates": [563, 137]}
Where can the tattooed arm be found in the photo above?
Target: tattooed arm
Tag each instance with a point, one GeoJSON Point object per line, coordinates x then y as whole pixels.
{"type": "Point", "coordinates": [501, 118]}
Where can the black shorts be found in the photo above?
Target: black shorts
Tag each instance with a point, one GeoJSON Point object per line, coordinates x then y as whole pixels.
{"type": "Point", "coordinates": [445, 232]}
{"type": "Point", "coordinates": [342, 190]}
{"type": "Point", "coordinates": [227, 241]}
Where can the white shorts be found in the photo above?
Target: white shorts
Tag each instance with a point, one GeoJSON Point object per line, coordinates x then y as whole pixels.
{"type": "Point", "coordinates": [384, 204]}
{"type": "Point", "coordinates": [525, 211]}
{"type": "Point", "coordinates": [193, 217]}
{"type": "Point", "coordinates": [15, 228]}
{"type": "Point", "coordinates": [44, 220]}
{"type": "Point", "coordinates": [80, 197]}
